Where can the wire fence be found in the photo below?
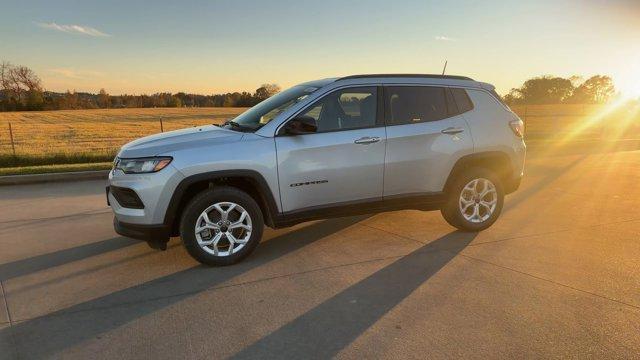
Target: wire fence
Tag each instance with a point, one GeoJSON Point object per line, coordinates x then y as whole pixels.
{"type": "Point", "coordinates": [100, 133]}
{"type": "Point", "coordinates": [95, 132]}
{"type": "Point", "coordinates": [579, 122]}
{"type": "Point", "coordinates": [22, 139]}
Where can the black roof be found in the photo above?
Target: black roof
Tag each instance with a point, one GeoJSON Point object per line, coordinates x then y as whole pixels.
{"type": "Point", "coordinates": [429, 76]}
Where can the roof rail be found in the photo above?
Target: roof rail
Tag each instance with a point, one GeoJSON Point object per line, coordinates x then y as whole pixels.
{"type": "Point", "coordinates": [429, 76]}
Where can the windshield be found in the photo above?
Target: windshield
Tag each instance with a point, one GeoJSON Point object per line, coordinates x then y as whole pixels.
{"type": "Point", "coordinates": [267, 110]}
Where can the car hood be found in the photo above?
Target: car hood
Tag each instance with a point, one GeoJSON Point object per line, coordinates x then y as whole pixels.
{"type": "Point", "coordinates": [171, 141]}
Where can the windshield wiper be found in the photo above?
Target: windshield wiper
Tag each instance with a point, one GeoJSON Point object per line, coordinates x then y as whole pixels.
{"type": "Point", "coordinates": [240, 127]}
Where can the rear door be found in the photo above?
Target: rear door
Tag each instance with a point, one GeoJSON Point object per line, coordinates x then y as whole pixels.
{"type": "Point", "coordinates": [343, 161]}
{"type": "Point", "coordinates": [426, 134]}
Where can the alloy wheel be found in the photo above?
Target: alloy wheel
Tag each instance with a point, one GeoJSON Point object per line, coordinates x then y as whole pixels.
{"type": "Point", "coordinates": [223, 229]}
{"type": "Point", "coordinates": [478, 200]}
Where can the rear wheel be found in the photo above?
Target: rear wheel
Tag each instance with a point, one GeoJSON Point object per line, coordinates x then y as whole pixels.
{"type": "Point", "coordinates": [474, 201]}
{"type": "Point", "coordinates": [221, 226]}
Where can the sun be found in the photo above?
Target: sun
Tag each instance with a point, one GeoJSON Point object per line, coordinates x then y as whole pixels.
{"type": "Point", "coordinates": [630, 86]}
{"type": "Point", "coordinates": [632, 91]}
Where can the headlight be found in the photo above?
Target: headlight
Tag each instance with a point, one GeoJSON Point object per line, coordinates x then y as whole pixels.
{"type": "Point", "coordinates": [142, 165]}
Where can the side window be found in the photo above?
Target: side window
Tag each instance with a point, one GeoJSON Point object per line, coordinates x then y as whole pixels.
{"type": "Point", "coordinates": [413, 104]}
{"type": "Point", "coordinates": [452, 109]}
{"type": "Point", "coordinates": [462, 100]}
{"type": "Point", "coordinates": [314, 112]}
{"type": "Point", "coordinates": [345, 109]}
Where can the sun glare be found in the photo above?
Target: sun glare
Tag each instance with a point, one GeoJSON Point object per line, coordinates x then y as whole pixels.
{"type": "Point", "coordinates": [612, 121]}
{"type": "Point", "coordinates": [630, 86]}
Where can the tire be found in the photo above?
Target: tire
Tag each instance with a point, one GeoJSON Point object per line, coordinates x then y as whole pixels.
{"type": "Point", "coordinates": [455, 203]}
{"type": "Point", "coordinates": [244, 223]}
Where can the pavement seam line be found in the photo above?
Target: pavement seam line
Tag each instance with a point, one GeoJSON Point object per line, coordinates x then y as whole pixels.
{"type": "Point", "coordinates": [22, 223]}
{"type": "Point", "coordinates": [553, 232]}
{"type": "Point", "coordinates": [11, 335]}
{"type": "Point", "coordinates": [215, 288]}
{"type": "Point", "coordinates": [513, 237]}
{"type": "Point", "coordinates": [550, 281]}
{"type": "Point", "coordinates": [392, 233]}
{"type": "Point", "coordinates": [6, 306]}
{"type": "Point", "coordinates": [79, 214]}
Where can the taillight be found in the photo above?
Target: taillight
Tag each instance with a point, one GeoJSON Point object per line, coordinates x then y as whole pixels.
{"type": "Point", "coordinates": [517, 126]}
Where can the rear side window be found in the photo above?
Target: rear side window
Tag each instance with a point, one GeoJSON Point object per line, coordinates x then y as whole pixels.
{"type": "Point", "coordinates": [452, 109]}
{"type": "Point", "coordinates": [499, 98]}
{"type": "Point", "coordinates": [462, 100]}
{"type": "Point", "coordinates": [414, 104]}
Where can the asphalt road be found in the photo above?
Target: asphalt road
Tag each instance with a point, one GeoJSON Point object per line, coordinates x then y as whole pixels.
{"type": "Point", "coordinates": [557, 276]}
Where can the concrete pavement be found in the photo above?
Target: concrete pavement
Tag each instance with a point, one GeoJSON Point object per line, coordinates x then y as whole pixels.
{"type": "Point", "coordinates": [556, 276]}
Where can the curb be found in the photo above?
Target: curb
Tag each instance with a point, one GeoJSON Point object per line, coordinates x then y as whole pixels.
{"type": "Point", "coordinates": [53, 177]}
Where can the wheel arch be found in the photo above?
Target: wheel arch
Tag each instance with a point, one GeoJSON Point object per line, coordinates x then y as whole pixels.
{"type": "Point", "coordinates": [496, 161]}
{"type": "Point", "coordinates": [249, 181]}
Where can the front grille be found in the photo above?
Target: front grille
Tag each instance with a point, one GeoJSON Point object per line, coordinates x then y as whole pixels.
{"type": "Point", "coordinates": [126, 197]}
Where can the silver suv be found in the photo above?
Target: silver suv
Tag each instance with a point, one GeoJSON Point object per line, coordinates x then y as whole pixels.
{"type": "Point", "coordinates": [326, 148]}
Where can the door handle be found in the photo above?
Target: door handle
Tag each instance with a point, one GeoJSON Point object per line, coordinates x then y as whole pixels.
{"type": "Point", "coordinates": [367, 140]}
{"type": "Point", "coordinates": [452, 130]}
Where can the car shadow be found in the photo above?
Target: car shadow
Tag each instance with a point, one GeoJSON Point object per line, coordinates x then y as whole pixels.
{"type": "Point", "coordinates": [45, 261]}
{"type": "Point", "coordinates": [47, 335]}
{"type": "Point", "coordinates": [329, 327]}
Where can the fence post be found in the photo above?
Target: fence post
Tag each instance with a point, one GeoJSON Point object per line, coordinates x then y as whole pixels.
{"type": "Point", "coordinates": [13, 146]}
{"type": "Point", "coordinates": [161, 126]}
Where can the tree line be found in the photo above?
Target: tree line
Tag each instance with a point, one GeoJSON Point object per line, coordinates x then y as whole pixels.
{"type": "Point", "coordinates": [597, 89]}
{"type": "Point", "coordinates": [21, 89]}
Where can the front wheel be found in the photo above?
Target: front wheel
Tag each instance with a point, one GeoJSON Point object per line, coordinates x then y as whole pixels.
{"type": "Point", "coordinates": [474, 200]}
{"type": "Point", "coordinates": [221, 226]}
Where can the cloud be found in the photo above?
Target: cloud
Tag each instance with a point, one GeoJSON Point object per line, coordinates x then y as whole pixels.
{"type": "Point", "coordinates": [74, 29]}
{"type": "Point", "coordinates": [444, 38]}
{"type": "Point", "coordinates": [75, 74]}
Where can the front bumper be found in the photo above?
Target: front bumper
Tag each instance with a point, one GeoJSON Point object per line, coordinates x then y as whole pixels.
{"type": "Point", "coordinates": [153, 192]}
{"type": "Point", "coordinates": [156, 236]}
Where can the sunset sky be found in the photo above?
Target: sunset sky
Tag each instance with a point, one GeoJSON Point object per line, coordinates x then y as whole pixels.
{"type": "Point", "coordinates": [219, 46]}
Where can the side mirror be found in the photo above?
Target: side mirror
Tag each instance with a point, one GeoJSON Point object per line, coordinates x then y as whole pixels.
{"type": "Point", "coordinates": [301, 125]}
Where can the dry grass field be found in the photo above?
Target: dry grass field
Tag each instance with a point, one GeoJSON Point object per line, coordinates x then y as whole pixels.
{"type": "Point", "coordinates": [549, 121]}
{"type": "Point", "coordinates": [96, 131]}
{"type": "Point", "coordinates": [76, 136]}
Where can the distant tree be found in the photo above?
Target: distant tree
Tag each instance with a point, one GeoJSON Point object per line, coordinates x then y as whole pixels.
{"type": "Point", "coordinates": [28, 79]}
{"type": "Point", "coordinates": [21, 89]}
{"type": "Point", "coordinates": [174, 101]}
{"type": "Point", "coordinates": [20, 86]}
{"type": "Point", "coordinates": [5, 68]}
{"type": "Point", "coordinates": [545, 90]}
{"type": "Point", "coordinates": [266, 91]}
{"type": "Point", "coordinates": [117, 102]}
{"type": "Point", "coordinates": [513, 97]}
{"type": "Point", "coordinates": [71, 100]}
{"type": "Point", "coordinates": [556, 90]}
{"type": "Point", "coordinates": [104, 101]}
{"type": "Point", "coordinates": [597, 89]}
{"type": "Point", "coordinates": [35, 100]}
{"type": "Point", "coordinates": [231, 99]}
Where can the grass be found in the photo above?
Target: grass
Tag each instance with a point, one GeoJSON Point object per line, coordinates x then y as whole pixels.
{"type": "Point", "coordinates": [8, 160]}
{"type": "Point", "coordinates": [42, 169]}
{"type": "Point", "coordinates": [74, 136]}
{"type": "Point", "coordinates": [44, 138]}
{"type": "Point", "coordinates": [553, 122]}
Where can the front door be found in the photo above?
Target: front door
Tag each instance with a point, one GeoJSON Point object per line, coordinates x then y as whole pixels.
{"type": "Point", "coordinates": [343, 161]}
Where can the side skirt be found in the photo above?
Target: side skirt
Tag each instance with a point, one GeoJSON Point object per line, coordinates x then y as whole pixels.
{"type": "Point", "coordinates": [421, 201]}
